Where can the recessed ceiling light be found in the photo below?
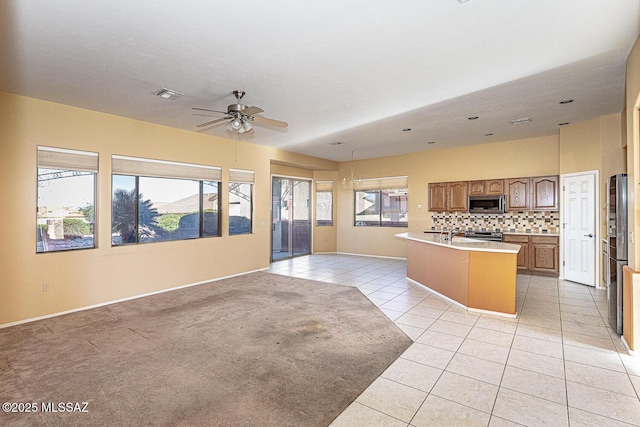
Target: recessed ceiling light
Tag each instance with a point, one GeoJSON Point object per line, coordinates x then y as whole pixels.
{"type": "Point", "coordinates": [431, 142]}
{"type": "Point", "coordinates": [336, 143]}
{"type": "Point", "coordinates": [521, 121]}
{"type": "Point", "coordinates": [473, 118]}
{"type": "Point", "coordinates": [488, 134]}
{"type": "Point", "coordinates": [406, 130]}
{"type": "Point", "coordinates": [563, 124]}
{"type": "Point", "coordinates": [566, 101]}
{"type": "Point", "coordinates": [168, 93]}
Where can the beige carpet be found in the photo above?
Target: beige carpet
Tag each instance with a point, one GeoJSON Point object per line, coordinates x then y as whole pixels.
{"type": "Point", "coordinates": [255, 350]}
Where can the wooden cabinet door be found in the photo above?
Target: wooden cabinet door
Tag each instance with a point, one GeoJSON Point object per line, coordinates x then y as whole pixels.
{"type": "Point", "coordinates": [458, 196]}
{"type": "Point", "coordinates": [544, 190]}
{"type": "Point", "coordinates": [544, 254]}
{"type": "Point", "coordinates": [518, 194]}
{"type": "Point", "coordinates": [523, 255]}
{"type": "Point", "coordinates": [476, 188]}
{"type": "Point", "coordinates": [438, 197]}
{"type": "Point", "coordinates": [494, 187]}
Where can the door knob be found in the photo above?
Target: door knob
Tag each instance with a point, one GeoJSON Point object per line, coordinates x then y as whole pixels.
{"type": "Point", "coordinates": [588, 235]}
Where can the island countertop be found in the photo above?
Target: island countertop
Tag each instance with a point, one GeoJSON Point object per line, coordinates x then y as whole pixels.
{"type": "Point", "coordinates": [461, 243]}
{"type": "Point", "coordinates": [475, 274]}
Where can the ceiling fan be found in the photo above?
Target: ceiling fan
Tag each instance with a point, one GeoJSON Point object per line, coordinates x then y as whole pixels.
{"type": "Point", "coordinates": [241, 116]}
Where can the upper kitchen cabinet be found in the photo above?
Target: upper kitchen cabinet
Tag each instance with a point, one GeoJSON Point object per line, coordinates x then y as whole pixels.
{"type": "Point", "coordinates": [544, 193]}
{"type": "Point", "coordinates": [488, 187]}
{"type": "Point", "coordinates": [449, 196]}
{"type": "Point", "coordinates": [458, 196]}
{"type": "Point", "coordinates": [438, 197]}
{"type": "Point", "coordinates": [494, 187]}
{"type": "Point", "coordinates": [476, 188]}
{"type": "Point", "coordinates": [518, 194]}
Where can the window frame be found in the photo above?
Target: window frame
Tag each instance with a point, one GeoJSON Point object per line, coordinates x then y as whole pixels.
{"type": "Point", "coordinates": [76, 163]}
{"type": "Point", "coordinates": [251, 186]}
{"type": "Point", "coordinates": [241, 176]}
{"type": "Point", "coordinates": [324, 187]}
{"type": "Point", "coordinates": [379, 186]}
{"type": "Point", "coordinates": [149, 168]}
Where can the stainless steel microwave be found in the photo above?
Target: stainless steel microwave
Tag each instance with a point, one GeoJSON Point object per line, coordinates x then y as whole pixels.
{"type": "Point", "coordinates": [486, 204]}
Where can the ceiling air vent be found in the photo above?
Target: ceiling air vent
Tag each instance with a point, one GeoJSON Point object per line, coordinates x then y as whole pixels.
{"type": "Point", "coordinates": [168, 93]}
{"type": "Point", "coordinates": [521, 121]}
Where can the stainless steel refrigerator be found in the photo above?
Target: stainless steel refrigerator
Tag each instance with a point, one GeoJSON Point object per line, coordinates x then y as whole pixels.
{"type": "Point", "coordinates": [617, 236]}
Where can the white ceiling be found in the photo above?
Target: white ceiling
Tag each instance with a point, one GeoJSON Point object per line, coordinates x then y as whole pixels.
{"type": "Point", "coordinates": [336, 70]}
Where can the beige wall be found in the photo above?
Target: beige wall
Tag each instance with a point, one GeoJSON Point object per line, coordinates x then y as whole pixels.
{"type": "Point", "coordinates": [633, 150]}
{"type": "Point", "coordinates": [632, 119]}
{"type": "Point", "coordinates": [87, 277]}
{"type": "Point", "coordinates": [595, 145]}
{"type": "Point", "coordinates": [106, 273]}
{"type": "Point", "coordinates": [325, 237]}
{"type": "Point", "coordinates": [510, 159]}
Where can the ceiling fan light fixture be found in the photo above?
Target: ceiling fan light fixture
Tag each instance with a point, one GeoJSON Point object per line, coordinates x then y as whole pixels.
{"type": "Point", "coordinates": [236, 123]}
{"type": "Point", "coordinates": [240, 116]}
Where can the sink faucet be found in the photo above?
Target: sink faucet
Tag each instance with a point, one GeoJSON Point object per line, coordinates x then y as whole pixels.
{"type": "Point", "coordinates": [451, 233]}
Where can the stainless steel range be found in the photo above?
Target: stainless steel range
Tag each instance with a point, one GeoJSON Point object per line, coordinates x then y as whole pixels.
{"type": "Point", "coordinates": [494, 236]}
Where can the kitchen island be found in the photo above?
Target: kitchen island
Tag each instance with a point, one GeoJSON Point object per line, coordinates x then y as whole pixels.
{"type": "Point", "coordinates": [475, 274]}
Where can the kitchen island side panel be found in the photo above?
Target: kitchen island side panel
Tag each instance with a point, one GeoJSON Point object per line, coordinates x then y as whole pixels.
{"type": "Point", "coordinates": [492, 281]}
{"type": "Point", "coordinates": [445, 270]}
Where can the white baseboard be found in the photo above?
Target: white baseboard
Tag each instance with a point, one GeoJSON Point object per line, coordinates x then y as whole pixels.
{"type": "Point", "coordinates": [371, 256]}
{"type": "Point", "coordinates": [102, 304]}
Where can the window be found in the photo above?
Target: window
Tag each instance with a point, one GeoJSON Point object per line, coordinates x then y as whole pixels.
{"type": "Point", "coordinates": [65, 216]}
{"type": "Point", "coordinates": [324, 203]}
{"type": "Point", "coordinates": [240, 201]}
{"type": "Point", "coordinates": [382, 202]}
{"type": "Point", "coordinates": [158, 201]}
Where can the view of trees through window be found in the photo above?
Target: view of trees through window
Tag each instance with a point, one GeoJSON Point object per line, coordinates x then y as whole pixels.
{"type": "Point", "coordinates": [65, 211]}
{"type": "Point", "coordinates": [385, 208]}
{"type": "Point", "coordinates": [149, 209]}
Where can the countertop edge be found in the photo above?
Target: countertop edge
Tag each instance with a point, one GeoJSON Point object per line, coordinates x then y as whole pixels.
{"type": "Point", "coordinates": [477, 245]}
{"type": "Point", "coordinates": [513, 233]}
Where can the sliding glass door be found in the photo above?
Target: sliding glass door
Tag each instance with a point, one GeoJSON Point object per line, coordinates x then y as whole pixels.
{"type": "Point", "coordinates": [291, 217]}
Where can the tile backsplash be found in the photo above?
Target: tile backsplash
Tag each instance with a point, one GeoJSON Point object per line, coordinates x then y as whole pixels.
{"type": "Point", "coordinates": [514, 222]}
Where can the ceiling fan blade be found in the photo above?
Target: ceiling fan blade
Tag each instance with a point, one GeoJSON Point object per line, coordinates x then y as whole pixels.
{"type": "Point", "coordinates": [201, 125]}
{"type": "Point", "coordinates": [272, 122]}
{"type": "Point", "coordinates": [250, 111]}
{"type": "Point", "coordinates": [212, 111]}
{"type": "Point", "coordinates": [249, 132]}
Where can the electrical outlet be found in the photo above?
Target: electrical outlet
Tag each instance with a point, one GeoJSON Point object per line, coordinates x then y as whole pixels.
{"type": "Point", "coordinates": [46, 287]}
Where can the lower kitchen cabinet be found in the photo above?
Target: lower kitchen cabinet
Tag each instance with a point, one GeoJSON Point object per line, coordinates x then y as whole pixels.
{"type": "Point", "coordinates": [544, 254]}
{"type": "Point", "coordinates": [538, 254]}
{"type": "Point", "coordinates": [523, 255]}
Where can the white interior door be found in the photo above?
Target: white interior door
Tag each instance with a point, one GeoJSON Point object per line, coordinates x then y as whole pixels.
{"type": "Point", "coordinates": [579, 228]}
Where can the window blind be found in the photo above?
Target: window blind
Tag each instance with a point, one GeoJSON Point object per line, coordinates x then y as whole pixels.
{"type": "Point", "coordinates": [122, 165]}
{"type": "Point", "coordinates": [239, 175]}
{"type": "Point", "coordinates": [59, 158]}
{"type": "Point", "coordinates": [382, 183]}
{"type": "Point", "coordinates": [324, 186]}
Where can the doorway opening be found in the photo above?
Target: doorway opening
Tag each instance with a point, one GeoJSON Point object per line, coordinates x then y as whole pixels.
{"type": "Point", "coordinates": [291, 217]}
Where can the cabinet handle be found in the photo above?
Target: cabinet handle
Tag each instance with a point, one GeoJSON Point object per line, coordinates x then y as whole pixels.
{"type": "Point", "coordinates": [588, 235]}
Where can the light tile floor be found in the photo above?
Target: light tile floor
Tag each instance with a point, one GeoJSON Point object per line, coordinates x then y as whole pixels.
{"type": "Point", "coordinates": [557, 364]}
